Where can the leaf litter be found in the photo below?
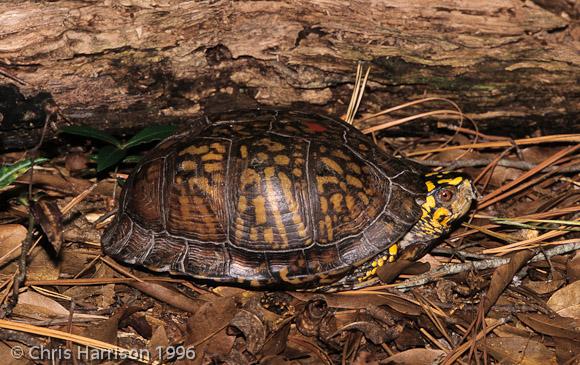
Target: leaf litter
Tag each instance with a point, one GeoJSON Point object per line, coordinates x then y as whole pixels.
{"type": "Point", "coordinates": [503, 288]}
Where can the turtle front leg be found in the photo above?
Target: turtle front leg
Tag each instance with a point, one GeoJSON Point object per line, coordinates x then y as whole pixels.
{"type": "Point", "coordinates": [364, 275]}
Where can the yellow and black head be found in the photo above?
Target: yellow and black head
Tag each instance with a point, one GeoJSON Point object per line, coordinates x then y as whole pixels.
{"type": "Point", "coordinates": [449, 197]}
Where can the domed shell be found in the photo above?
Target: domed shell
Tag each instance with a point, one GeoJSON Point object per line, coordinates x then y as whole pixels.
{"type": "Point", "coordinates": [264, 199]}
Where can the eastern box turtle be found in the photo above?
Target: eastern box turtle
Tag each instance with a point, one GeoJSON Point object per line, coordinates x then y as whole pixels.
{"type": "Point", "coordinates": [280, 200]}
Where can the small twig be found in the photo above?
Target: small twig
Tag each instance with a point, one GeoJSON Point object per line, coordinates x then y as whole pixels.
{"type": "Point", "coordinates": [520, 165]}
{"type": "Point", "coordinates": [461, 254]}
{"type": "Point", "coordinates": [27, 243]}
{"type": "Point", "coordinates": [498, 144]}
{"type": "Point", "coordinates": [480, 265]}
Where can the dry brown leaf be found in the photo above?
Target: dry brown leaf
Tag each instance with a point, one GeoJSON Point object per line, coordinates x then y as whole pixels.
{"type": "Point", "coordinates": [520, 351]}
{"type": "Point", "coordinates": [365, 358]}
{"type": "Point", "coordinates": [566, 301]}
{"type": "Point", "coordinates": [361, 301]}
{"type": "Point", "coordinates": [251, 328]}
{"type": "Point", "coordinates": [503, 275]}
{"type": "Point", "coordinates": [167, 295]}
{"type": "Point", "coordinates": [557, 326]}
{"type": "Point", "coordinates": [566, 350]}
{"type": "Point", "coordinates": [11, 236]}
{"type": "Point", "coordinates": [573, 267]}
{"type": "Point", "coordinates": [374, 332]}
{"type": "Point", "coordinates": [47, 214]}
{"type": "Point", "coordinates": [415, 357]}
{"type": "Point", "coordinates": [542, 287]}
{"type": "Point", "coordinates": [158, 342]}
{"type": "Point", "coordinates": [8, 356]}
{"type": "Point", "coordinates": [37, 306]}
{"type": "Point", "coordinates": [507, 330]}
{"type": "Point", "coordinates": [42, 266]}
{"type": "Point", "coordinates": [207, 327]}
{"type": "Point", "coordinates": [276, 344]}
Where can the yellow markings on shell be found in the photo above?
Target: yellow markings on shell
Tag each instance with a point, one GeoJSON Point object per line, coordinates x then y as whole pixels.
{"type": "Point", "coordinates": [249, 177]}
{"type": "Point", "coordinates": [456, 181]}
{"type": "Point", "coordinates": [242, 204]}
{"type": "Point", "coordinates": [253, 234]}
{"type": "Point", "coordinates": [212, 167]}
{"type": "Point", "coordinates": [281, 160]}
{"type": "Point", "coordinates": [354, 167]}
{"type": "Point", "coordinates": [260, 209]}
{"type": "Point", "coordinates": [239, 224]}
{"type": "Point", "coordinates": [269, 235]}
{"type": "Point", "coordinates": [284, 276]}
{"type": "Point", "coordinates": [269, 173]}
{"type": "Point", "coordinates": [363, 197]}
{"type": "Point", "coordinates": [271, 145]}
{"type": "Point", "coordinates": [332, 164]}
{"type": "Point", "coordinates": [393, 250]}
{"type": "Point", "coordinates": [297, 172]}
{"type": "Point", "coordinates": [244, 151]}
{"type": "Point", "coordinates": [262, 156]}
{"type": "Point", "coordinates": [218, 147]}
{"type": "Point", "coordinates": [328, 222]}
{"type": "Point", "coordinates": [195, 150]}
{"type": "Point", "coordinates": [323, 180]}
{"type": "Point", "coordinates": [188, 165]}
{"type": "Point", "coordinates": [336, 200]}
{"type": "Point", "coordinates": [323, 205]}
{"type": "Point", "coordinates": [292, 205]}
{"type": "Point", "coordinates": [212, 157]}
{"type": "Point", "coordinates": [350, 202]}
{"type": "Point", "coordinates": [286, 185]}
{"type": "Point", "coordinates": [320, 226]}
{"type": "Point", "coordinates": [391, 258]}
{"type": "Point", "coordinates": [354, 181]}
{"type": "Point", "coordinates": [201, 183]}
{"type": "Point", "coordinates": [340, 154]}
{"type": "Point", "coordinates": [430, 185]}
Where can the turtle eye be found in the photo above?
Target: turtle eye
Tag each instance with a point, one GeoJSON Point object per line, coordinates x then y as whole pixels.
{"type": "Point", "coordinates": [445, 195]}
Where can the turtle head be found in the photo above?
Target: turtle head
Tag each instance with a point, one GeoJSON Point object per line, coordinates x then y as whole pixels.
{"type": "Point", "coordinates": [449, 197]}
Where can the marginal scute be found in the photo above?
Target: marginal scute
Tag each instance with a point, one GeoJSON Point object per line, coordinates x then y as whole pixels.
{"type": "Point", "coordinates": [144, 202]}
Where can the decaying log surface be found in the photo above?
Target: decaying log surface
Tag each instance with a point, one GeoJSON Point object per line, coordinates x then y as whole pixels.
{"type": "Point", "coordinates": [126, 63]}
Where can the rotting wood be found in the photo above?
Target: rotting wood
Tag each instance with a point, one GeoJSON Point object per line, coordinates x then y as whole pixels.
{"type": "Point", "coordinates": [124, 64]}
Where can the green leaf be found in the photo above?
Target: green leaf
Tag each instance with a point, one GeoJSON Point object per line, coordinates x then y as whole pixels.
{"type": "Point", "coordinates": [109, 156]}
{"type": "Point", "coordinates": [9, 173]}
{"type": "Point", "coordinates": [132, 159]}
{"type": "Point", "coordinates": [150, 134]}
{"type": "Point", "coordinates": [92, 133]}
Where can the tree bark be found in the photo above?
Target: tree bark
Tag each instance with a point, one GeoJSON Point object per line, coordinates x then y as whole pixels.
{"type": "Point", "coordinates": [512, 66]}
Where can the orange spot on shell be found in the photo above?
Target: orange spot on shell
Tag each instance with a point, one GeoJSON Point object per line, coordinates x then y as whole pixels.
{"type": "Point", "coordinates": [315, 127]}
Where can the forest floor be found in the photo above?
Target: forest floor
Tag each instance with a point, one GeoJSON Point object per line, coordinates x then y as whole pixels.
{"type": "Point", "coordinates": [502, 288]}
